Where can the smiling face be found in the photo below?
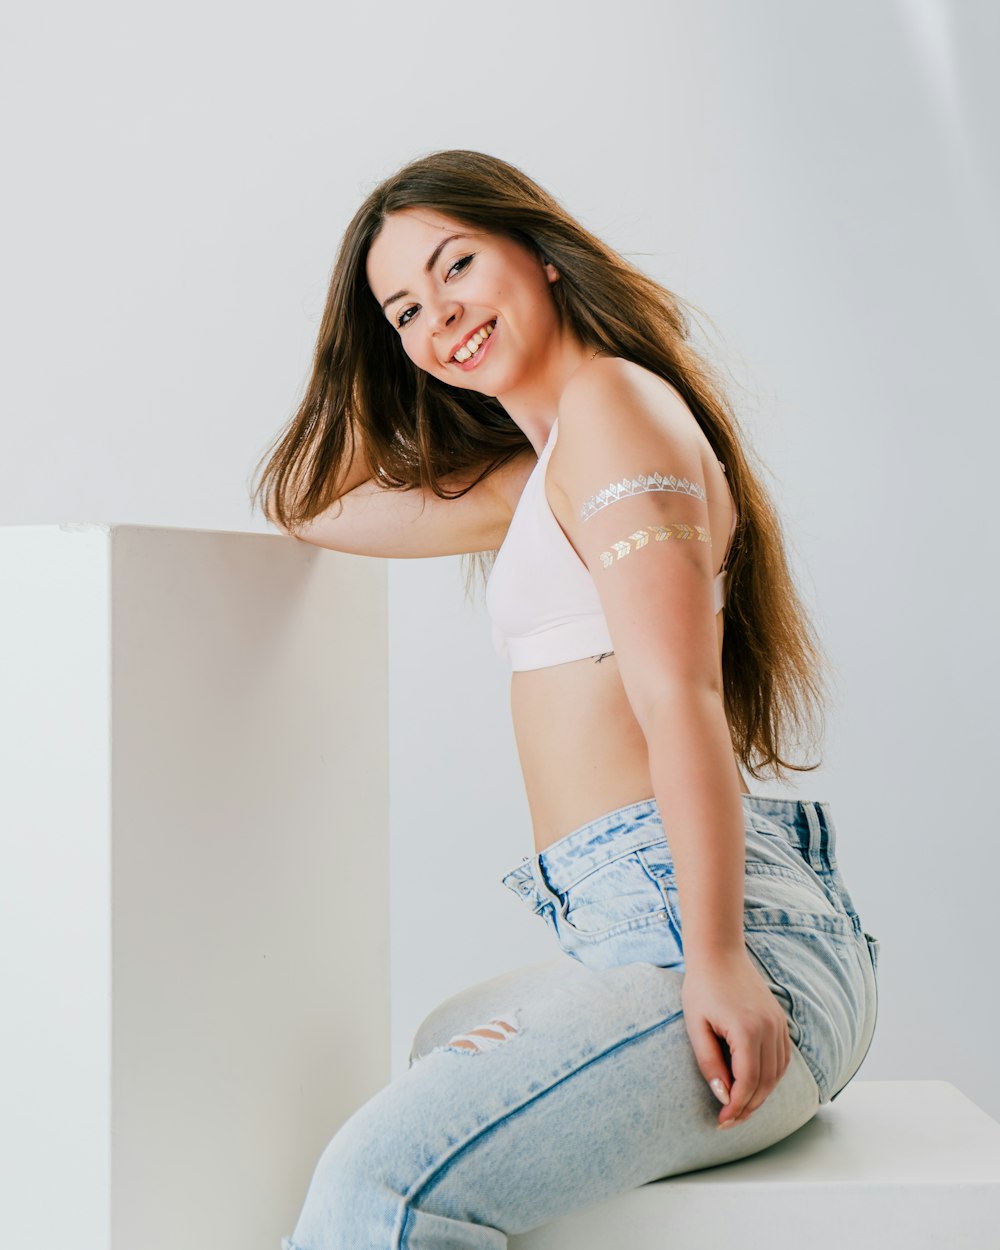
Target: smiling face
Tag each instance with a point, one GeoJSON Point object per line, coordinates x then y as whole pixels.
{"type": "Point", "coordinates": [439, 290]}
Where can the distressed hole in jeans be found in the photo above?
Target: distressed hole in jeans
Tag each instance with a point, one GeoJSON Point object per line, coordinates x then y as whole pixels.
{"type": "Point", "coordinates": [485, 1036]}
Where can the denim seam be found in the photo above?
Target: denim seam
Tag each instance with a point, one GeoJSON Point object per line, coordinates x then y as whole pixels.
{"type": "Point", "coordinates": [400, 1236]}
{"type": "Point", "coordinates": [804, 1046]}
{"type": "Point", "coordinates": [757, 868]}
{"type": "Point", "coordinates": [836, 925]}
{"type": "Point", "coordinates": [660, 883]}
{"type": "Point", "coordinates": [646, 920]}
{"type": "Point", "coordinates": [874, 1022]}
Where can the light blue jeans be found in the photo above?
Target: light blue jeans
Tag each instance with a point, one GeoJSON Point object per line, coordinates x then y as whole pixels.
{"type": "Point", "coordinates": [554, 1086]}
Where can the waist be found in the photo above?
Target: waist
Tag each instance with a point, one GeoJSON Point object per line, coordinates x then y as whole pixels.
{"type": "Point", "coordinates": [804, 824]}
{"type": "Point", "coordinates": [580, 746]}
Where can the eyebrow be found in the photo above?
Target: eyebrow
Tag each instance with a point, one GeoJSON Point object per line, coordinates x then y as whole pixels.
{"type": "Point", "coordinates": [431, 260]}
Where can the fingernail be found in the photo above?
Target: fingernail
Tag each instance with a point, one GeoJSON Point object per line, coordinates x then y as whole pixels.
{"type": "Point", "coordinates": [720, 1091]}
{"type": "Point", "coordinates": [727, 1124]}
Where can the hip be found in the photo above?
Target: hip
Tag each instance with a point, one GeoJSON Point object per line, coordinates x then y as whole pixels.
{"type": "Point", "coordinates": [608, 892]}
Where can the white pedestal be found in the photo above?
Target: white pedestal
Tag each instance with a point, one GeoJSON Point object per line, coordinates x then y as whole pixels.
{"type": "Point", "coordinates": [194, 880]}
{"type": "Point", "coordinates": [890, 1163]}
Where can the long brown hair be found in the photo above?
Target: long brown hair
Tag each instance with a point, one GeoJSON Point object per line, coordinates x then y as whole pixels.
{"type": "Point", "coordinates": [414, 429]}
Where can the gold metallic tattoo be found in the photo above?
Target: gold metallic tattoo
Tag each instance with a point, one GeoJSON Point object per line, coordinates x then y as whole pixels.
{"type": "Point", "coordinates": [636, 486]}
{"type": "Point", "coordinates": [661, 533]}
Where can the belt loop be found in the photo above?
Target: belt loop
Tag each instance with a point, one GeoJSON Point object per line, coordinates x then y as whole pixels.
{"type": "Point", "coordinates": [816, 852]}
{"type": "Point", "coordinates": [545, 891]}
{"type": "Point", "coordinates": [830, 830]}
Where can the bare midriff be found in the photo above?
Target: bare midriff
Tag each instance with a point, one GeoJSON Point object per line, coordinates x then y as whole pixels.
{"type": "Point", "coordinates": [582, 751]}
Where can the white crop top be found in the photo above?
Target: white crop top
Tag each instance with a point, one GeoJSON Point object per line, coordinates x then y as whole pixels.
{"type": "Point", "coordinates": [540, 596]}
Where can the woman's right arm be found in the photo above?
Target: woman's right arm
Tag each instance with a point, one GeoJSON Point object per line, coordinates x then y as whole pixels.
{"type": "Point", "coordinates": [371, 520]}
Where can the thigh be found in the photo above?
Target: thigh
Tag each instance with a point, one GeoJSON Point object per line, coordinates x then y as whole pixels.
{"type": "Point", "coordinates": [501, 996]}
{"type": "Point", "coordinates": [593, 1090]}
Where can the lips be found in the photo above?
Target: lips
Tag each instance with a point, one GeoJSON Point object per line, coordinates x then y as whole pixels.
{"type": "Point", "coordinates": [472, 333]}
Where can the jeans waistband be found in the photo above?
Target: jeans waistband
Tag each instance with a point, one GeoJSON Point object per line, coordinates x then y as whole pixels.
{"type": "Point", "coordinates": [805, 823]}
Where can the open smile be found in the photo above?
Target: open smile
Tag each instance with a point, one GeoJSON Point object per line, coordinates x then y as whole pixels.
{"type": "Point", "coordinates": [472, 352]}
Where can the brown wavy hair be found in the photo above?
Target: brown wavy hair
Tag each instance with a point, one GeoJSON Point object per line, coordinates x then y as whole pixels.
{"type": "Point", "coordinates": [414, 428]}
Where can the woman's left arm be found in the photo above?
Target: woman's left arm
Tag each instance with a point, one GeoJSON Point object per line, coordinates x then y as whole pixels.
{"type": "Point", "coordinates": [628, 461]}
{"type": "Point", "coordinates": [696, 785]}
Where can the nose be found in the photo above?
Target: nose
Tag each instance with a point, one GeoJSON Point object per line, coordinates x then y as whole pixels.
{"type": "Point", "coordinates": [444, 314]}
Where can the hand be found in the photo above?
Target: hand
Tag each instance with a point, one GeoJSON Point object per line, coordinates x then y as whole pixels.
{"type": "Point", "coordinates": [726, 997]}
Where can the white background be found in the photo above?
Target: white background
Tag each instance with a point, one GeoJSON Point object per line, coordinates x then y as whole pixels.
{"type": "Point", "coordinates": [820, 179]}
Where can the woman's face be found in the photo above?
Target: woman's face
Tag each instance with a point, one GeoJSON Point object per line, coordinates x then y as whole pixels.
{"type": "Point", "coordinates": [438, 290]}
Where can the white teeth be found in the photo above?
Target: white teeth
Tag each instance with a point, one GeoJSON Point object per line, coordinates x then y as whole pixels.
{"type": "Point", "coordinates": [472, 345]}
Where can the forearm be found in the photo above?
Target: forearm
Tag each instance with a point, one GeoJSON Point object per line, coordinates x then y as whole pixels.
{"type": "Point", "coordinates": [697, 788]}
{"type": "Point", "coordinates": [353, 465]}
{"type": "Point", "coordinates": [358, 471]}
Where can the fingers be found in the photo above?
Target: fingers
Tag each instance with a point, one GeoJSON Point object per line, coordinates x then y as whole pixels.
{"type": "Point", "coordinates": [746, 1066]}
{"type": "Point", "coordinates": [769, 1070]}
{"type": "Point", "coordinates": [756, 1071]}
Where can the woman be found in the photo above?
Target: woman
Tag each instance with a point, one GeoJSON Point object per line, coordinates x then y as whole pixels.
{"type": "Point", "coordinates": [489, 375]}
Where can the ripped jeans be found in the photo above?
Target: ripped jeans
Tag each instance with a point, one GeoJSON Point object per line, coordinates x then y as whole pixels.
{"type": "Point", "coordinates": [554, 1086]}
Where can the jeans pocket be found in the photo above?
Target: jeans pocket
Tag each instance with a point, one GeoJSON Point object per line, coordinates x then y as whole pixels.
{"type": "Point", "coordinates": [810, 961]}
{"type": "Point", "coordinates": [619, 894]}
{"type": "Point", "coordinates": [620, 913]}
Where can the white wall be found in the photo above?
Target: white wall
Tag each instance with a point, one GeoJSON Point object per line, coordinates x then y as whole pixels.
{"type": "Point", "coordinates": [820, 179]}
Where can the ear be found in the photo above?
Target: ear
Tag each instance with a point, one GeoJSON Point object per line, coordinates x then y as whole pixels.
{"type": "Point", "coordinates": [551, 272]}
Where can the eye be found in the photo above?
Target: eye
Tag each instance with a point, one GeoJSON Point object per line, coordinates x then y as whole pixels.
{"type": "Point", "coordinates": [463, 261]}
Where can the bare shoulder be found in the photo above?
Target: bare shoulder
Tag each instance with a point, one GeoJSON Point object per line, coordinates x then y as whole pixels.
{"type": "Point", "coordinates": [609, 396]}
{"type": "Point", "coordinates": [618, 420]}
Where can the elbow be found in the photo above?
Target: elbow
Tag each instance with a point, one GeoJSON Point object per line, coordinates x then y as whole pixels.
{"type": "Point", "coordinates": [670, 707]}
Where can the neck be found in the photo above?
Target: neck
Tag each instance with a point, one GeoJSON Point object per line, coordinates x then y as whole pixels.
{"type": "Point", "coordinates": [533, 401]}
